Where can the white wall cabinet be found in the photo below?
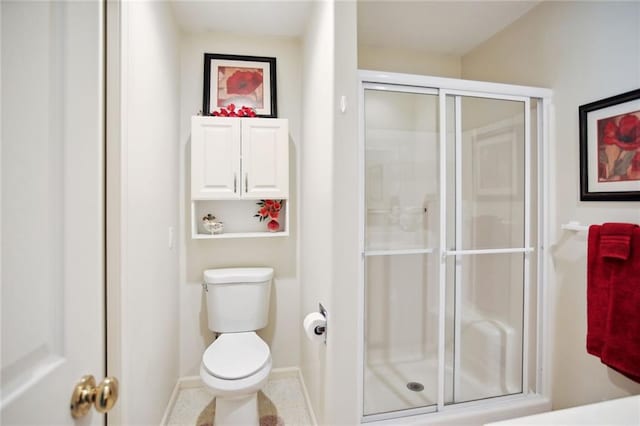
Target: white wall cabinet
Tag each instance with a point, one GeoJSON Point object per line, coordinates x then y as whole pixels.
{"type": "Point", "coordinates": [239, 158]}
{"type": "Point", "coordinates": [233, 162]}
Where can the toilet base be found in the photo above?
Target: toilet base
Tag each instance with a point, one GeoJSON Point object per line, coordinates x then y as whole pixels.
{"type": "Point", "coordinates": [238, 411]}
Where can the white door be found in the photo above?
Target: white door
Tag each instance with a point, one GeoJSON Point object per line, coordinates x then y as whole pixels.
{"type": "Point", "coordinates": [52, 204]}
{"type": "Point", "coordinates": [265, 158]}
{"type": "Point", "coordinates": [215, 158]}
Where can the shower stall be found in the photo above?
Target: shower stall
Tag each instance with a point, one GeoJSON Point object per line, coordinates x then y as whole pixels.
{"type": "Point", "coordinates": [452, 241]}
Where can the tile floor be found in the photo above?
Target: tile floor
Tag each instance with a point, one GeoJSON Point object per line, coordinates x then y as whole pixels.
{"type": "Point", "coordinates": [281, 403]}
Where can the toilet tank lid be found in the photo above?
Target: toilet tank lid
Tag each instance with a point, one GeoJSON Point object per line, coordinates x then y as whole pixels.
{"type": "Point", "coordinates": [237, 275]}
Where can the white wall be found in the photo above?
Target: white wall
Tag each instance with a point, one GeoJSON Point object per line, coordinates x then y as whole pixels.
{"type": "Point", "coordinates": [283, 332]}
{"type": "Point", "coordinates": [342, 360]}
{"type": "Point", "coordinates": [149, 284]}
{"type": "Point", "coordinates": [316, 191]}
{"type": "Point", "coordinates": [408, 61]}
{"type": "Point", "coordinates": [584, 51]}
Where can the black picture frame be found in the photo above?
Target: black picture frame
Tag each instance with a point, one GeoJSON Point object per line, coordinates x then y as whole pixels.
{"type": "Point", "coordinates": [602, 135]}
{"type": "Point", "coordinates": [216, 80]}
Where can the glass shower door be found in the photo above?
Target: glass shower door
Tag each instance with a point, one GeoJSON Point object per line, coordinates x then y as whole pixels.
{"type": "Point", "coordinates": [401, 187]}
{"type": "Point", "coordinates": [446, 248]}
{"type": "Point", "coordinates": [487, 247]}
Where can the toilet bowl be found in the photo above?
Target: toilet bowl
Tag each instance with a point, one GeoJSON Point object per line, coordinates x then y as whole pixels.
{"type": "Point", "coordinates": [237, 364]}
{"type": "Point", "coordinates": [234, 368]}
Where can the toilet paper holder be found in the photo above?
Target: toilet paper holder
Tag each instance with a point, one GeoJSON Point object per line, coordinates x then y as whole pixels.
{"type": "Point", "coordinates": [320, 330]}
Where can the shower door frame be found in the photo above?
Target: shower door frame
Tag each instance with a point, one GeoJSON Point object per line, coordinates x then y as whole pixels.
{"type": "Point", "coordinates": [443, 87]}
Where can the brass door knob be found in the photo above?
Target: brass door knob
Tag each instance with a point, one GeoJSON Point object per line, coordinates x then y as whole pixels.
{"type": "Point", "coordinates": [103, 397]}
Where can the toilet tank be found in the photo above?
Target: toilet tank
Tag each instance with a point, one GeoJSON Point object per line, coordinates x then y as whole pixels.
{"type": "Point", "coordinates": [237, 298]}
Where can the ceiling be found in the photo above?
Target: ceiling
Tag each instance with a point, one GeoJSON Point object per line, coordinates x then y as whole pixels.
{"type": "Point", "coordinates": [445, 26]}
{"type": "Point", "coordinates": [250, 17]}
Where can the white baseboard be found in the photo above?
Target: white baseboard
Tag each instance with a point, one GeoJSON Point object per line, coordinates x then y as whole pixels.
{"type": "Point", "coordinates": [307, 400]}
{"type": "Point", "coordinates": [284, 372]}
{"type": "Point", "coordinates": [170, 404]}
{"type": "Point", "coordinates": [189, 382]}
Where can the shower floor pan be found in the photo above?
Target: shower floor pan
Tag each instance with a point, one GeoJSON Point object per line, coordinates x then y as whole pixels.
{"type": "Point", "coordinates": [386, 390]}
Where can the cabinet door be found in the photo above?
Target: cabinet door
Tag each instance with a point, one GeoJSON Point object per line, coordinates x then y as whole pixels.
{"type": "Point", "coordinates": [215, 158]}
{"type": "Point", "coordinates": [265, 158]}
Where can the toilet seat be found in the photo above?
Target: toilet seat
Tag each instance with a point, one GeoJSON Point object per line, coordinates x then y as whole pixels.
{"type": "Point", "coordinates": [235, 356]}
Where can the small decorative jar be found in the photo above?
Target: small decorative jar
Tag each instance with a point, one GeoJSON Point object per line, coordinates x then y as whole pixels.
{"type": "Point", "coordinates": [211, 225]}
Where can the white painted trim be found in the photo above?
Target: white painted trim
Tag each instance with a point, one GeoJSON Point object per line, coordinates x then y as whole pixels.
{"type": "Point", "coordinates": [171, 403]}
{"type": "Point", "coordinates": [115, 171]}
{"type": "Point", "coordinates": [188, 382]}
{"type": "Point", "coordinates": [452, 83]}
{"type": "Point", "coordinates": [545, 295]}
{"type": "Point", "coordinates": [307, 399]}
{"type": "Point", "coordinates": [283, 372]}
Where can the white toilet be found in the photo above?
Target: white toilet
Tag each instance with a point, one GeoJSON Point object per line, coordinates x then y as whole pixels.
{"type": "Point", "coordinates": [237, 364]}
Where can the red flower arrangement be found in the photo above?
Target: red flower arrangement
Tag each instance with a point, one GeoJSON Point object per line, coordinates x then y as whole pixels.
{"type": "Point", "coordinates": [270, 210]}
{"type": "Point", "coordinates": [231, 111]}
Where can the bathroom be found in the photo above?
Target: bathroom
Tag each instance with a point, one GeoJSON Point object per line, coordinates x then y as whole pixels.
{"type": "Point", "coordinates": [156, 329]}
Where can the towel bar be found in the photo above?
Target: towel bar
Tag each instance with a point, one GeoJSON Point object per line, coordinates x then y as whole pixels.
{"type": "Point", "coordinates": [574, 226]}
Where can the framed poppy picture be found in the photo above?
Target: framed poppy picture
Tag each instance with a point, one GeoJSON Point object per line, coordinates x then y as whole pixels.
{"type": "Point", "coordinates": [610, 149]}
{"type": "Point", "coordinates": [248, 81]}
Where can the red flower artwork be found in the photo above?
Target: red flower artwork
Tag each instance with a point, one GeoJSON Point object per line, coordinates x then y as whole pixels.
{"type": "Point", "coordinates": [240, 85]}
{"type": "Point", "coordinates": [619, 148]}
{"type": "Point", "coordinates": [634, 170]}
{"type": "Point", "coordinates": [243, 82]}
{"type": "Point", "coordinates": [625, 133]}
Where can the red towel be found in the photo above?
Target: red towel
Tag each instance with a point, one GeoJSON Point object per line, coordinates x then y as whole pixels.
{"type": "Point", "coordinates": [597, 293]}
{"type": "Point", "coordinates": [615, 240]}
{"type": "Point", "coordinates": [622, 336]}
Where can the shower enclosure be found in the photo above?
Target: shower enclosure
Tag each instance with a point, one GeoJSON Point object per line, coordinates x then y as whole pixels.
{"type": "Point", "coordinates": [451, 243]}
